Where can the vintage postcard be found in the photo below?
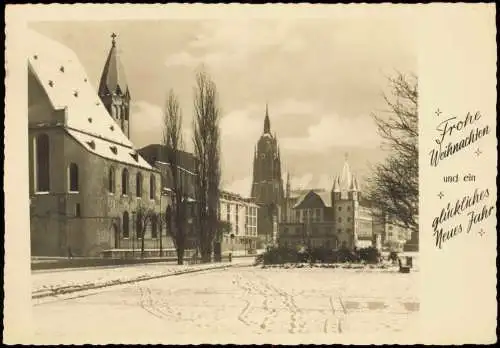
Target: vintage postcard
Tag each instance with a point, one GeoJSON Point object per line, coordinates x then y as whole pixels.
{"type": "Point", "coordinates": [249, 174]}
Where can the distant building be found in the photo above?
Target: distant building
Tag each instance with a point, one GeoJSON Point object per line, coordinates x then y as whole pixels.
{"type": "Point", "coordinates": [157, 156]}
{"type": "Point", "coordinates": [242, 215]}
{"type": "Point", "coordinates": [267, 184]}
{"type": "Point", "coordinates": [334, 219]}
{"type": "Point", "coordinates": [87, 180]}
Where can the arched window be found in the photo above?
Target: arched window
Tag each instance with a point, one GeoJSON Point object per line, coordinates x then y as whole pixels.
{"type": "Point", "coordinates": [138, 185]}
{"type": "Point", "coordinates": [125, 223]}
{"type": "Point", "coordinates": [73, 177]}
{"type": "Point", "coordinates": [111, 180]}
{"type": "Point", "coordinates": [154, 226]}
{"type": "Point", "coordinates": [152, 187]}
{"type": "Point", "coordinates": [125, 181]}
{"type": "Point", "coordinates": [42, 163]}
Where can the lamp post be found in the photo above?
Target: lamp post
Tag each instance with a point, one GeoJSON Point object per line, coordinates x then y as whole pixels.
{"type": "Point", "coordinates": [232, 247]}
{"type": "Point", "coordinates": [134, 231]}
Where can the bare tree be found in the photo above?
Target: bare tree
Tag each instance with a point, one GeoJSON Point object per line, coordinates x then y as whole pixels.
{"type": "Point", "coordinates": [206, 141]}
{"type": "Point", "coordinates": [144, 217]}
{"type": "Point", "coordinates": [394, 184]}
{"type": "Point", "coordinates": [174, 145]}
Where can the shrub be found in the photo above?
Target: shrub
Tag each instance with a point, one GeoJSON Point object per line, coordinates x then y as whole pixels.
{"type": "Point", "coordinates": [393, 256]}
{"type": "Point", "coordinates": [369, 255]}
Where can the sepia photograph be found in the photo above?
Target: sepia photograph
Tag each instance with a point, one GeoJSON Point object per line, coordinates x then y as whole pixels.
{"type": "Point", "coordinates": [271, 165]}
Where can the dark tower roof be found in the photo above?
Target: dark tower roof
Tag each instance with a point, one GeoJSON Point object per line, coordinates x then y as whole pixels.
{"type": "Point", "coordinates": [267, 122]}
{"type": "Point", "coordinates": [113, 78]}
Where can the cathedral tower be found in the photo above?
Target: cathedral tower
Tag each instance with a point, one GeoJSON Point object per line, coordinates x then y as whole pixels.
{"type": "Point", "coordinates": [267, 185]}
{"type": "Point", "coordinates": [113, 89]}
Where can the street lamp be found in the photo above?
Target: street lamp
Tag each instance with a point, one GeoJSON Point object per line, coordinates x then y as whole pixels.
{"type": "Point", "coordinates": [232, 247]}
{"type": "Point", "coordinates": [134, 231]}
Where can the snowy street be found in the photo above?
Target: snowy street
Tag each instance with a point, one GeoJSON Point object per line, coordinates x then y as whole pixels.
{"type": "Point", "coordinates": [241, 301]}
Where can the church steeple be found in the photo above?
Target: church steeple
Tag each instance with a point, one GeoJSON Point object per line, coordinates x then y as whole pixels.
{"type": "Point", "coordinates": [267, 122]}
{"type": "Point", "coordinates": [113, 88]}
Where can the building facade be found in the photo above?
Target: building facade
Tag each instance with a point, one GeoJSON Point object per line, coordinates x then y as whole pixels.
{"type": "Point", "coordinates": [334, 219]}
{"type": "Point", "coordinates": [267, 184]}
{"type": "Point", "coordinates": [241, 214]}
{"type": "Point", "coordinates": [157, 156]}
{"type": "Point", "coordinates": [88, 184]}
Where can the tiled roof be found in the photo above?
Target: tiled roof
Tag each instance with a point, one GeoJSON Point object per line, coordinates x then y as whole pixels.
{"type": "Point", "coordinates": [68, 87]}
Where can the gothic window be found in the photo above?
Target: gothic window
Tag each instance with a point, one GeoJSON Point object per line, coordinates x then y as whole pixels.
{"type": "Point", "coordinates": [285, 230]}
{"type": "Point", "coordinates": [340, 219]}
{"type": "Point", "coordinates": [348, 208]}
{"type": "Point", "coordinates": [340, 208]}
{"type": "Point", "coordinates": [111, 180]}
{"type": "Point", "coordinates": [348, 219]}
{"type": "Point", "coordinates": [138, 185]}
{"type": "Point", "coordinates": [77, 210]}
{"type": "Point", "coordinates": [228, 212]}
{"type": "Point", "coordinates": [73, 177]}
{"type": "Point", "coordinates": [42, 163]}
{"type": "Point", "coordinates": [125, 181]}
{"type": "Point", "coordinates": [154, 226]}
{"type": "Point", "coordinates": [339, 231]}
{"type": "Point", "coordinates": [152, 186]}
{"type": "Point", "coordinates": [125, 223]}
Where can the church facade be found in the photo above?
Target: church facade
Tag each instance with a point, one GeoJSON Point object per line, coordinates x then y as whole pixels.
{"type": "Point", "coordinates": [88, 184]}
{"type": "Point", "coordinates": [267, 183]}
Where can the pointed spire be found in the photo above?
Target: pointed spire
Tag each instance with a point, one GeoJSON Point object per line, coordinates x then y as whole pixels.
{"type": "Point", "coordinates": [267, 122]}
{"type": "Point", "coordinates": [113, 78]}
{"type": "Point", "coordinates": [336, 184]}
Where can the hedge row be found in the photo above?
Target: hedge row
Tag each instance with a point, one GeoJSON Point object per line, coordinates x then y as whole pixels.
{"type": "Point", "coordinates": [282, 255]}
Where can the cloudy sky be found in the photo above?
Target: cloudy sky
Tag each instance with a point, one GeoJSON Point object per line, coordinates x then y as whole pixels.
{"type": "Point", "coordinates": [322, 78]}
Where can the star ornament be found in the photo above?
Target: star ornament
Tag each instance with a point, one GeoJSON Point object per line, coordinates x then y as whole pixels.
{"type": "Point", "coordinates": [478, 152]}
{"type": "Point", "coordinates": [441, 195]}
{"type": "Point", "coordinates": [481, 232]}
{"type": "Point", "coordinates": [438, 112]}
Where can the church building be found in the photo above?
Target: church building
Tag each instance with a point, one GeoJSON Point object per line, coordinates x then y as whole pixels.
{"type": "Point", "coordinates": [88, 184]}
{"type": "Point", "coordinates": [267, 184]}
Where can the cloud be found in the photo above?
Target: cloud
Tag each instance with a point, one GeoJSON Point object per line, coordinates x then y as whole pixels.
{"type": "Point", "coordinates": [145, 123]}
{"type": "Point", "coordinates": [335, 131]}
{"type": "Point", "coordinates": [240, 125]}
{"type": "Point", "coordinates": [227, 44]}
{"type": "Point", "coordinates": [182, 58]}
{"type": "Point", "coordinates": [146, 120]}
{"type": "Point", "coordinates": [241, 186]}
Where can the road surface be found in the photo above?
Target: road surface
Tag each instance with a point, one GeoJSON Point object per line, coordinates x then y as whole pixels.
{"type": "Point", "coordinates": [241, 301]}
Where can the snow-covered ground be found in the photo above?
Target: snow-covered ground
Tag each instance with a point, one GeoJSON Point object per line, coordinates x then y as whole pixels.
{"type": "Point", "coordinates": [60, 281]}
{"type": "Point", "coordinates": [242, 305]}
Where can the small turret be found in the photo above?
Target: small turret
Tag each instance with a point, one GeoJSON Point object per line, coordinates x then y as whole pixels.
{"type": "Point", "coordinates": [353, 189]}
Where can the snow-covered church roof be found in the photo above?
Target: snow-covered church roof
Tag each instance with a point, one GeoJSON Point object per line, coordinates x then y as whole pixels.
{"type": "Point", "coordinates": [68, 87]}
